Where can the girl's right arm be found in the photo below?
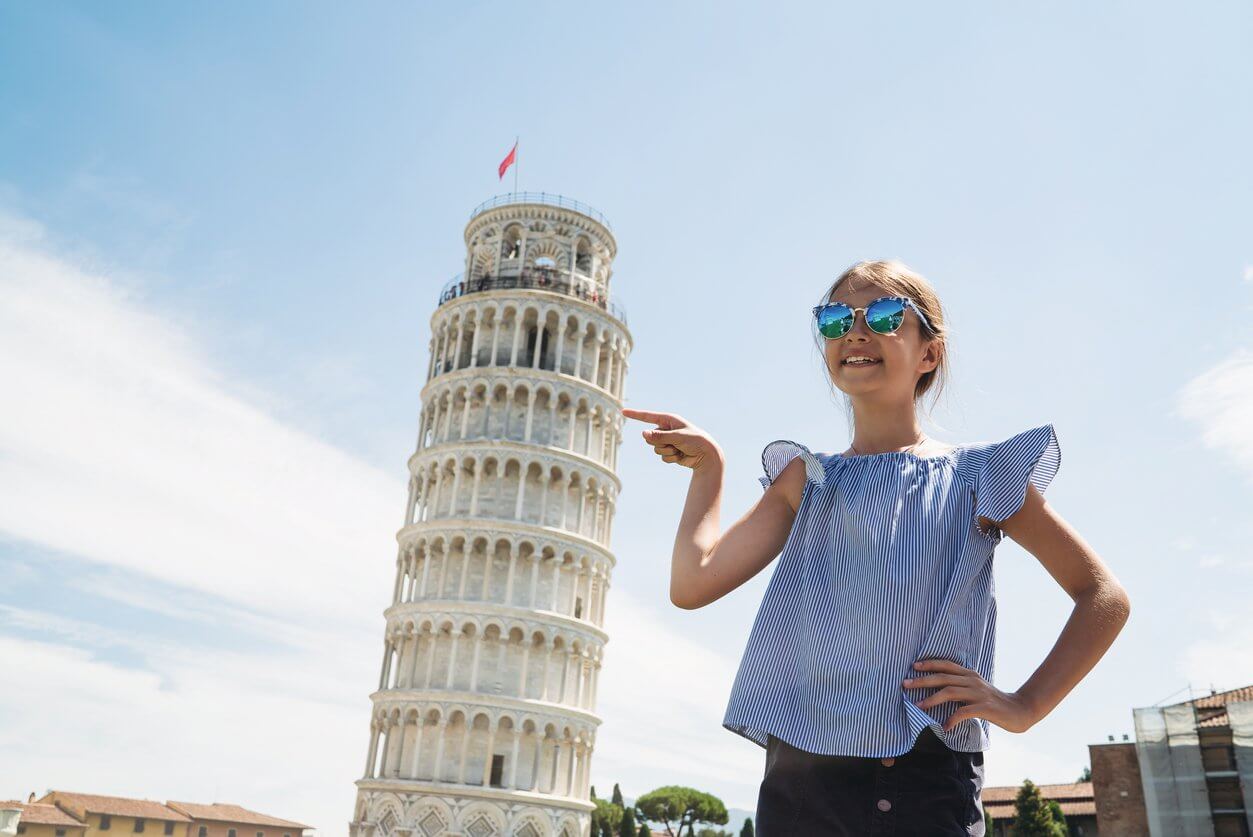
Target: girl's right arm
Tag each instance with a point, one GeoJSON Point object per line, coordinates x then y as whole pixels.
{"type": "Point", "coordinates": [706, 565]}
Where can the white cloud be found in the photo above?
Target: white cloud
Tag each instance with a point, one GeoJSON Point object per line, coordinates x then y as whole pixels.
{"type": "Point", "coordinates": [1220, 401]}
{"type": "Point", "coordinates": [119, 443]}
{"type": "Point", "coordinates": [1227, 648]}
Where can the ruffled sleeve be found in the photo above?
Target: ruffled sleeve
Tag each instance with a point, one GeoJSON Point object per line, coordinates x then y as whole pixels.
{"type": "Point", "coordinates": [779, 453]}
{"type": "Point", "coordinates": [1033, 456]}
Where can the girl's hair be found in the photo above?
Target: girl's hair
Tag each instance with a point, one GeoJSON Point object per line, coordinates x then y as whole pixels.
{"type": "Point", "coordinates": [897, 278]}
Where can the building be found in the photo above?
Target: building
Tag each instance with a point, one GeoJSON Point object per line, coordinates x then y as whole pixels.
{"type": "Point", "coordinates": [107, 816]}
{"type": "Point", "coordinates": [484, 719]}
{"type": "Point", "coordinates": [1196, 765]}
{"type": "Point", "coordinates": [39, 819]}
{"type": "Point", "coordinates": [223, 820]}
{"type": "Point", "coordinates": [1075, 800]}
{"type": "Point", "coordinates": [1117, 789]}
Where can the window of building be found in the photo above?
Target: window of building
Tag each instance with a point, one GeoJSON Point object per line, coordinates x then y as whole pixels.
{"type": "Point", "coordinates": [230, 832]}
{"type": "Point", "coordinates": [60, 832]}
{"type": "Point", "coordinates": [169, 828]}
{"type": "Point", "coordinates": [21, 828]}
{"type": "Point", "coordinates": [105, 822]}
{"type": "Point", "coordinates": [260, 834]}
{"type": "Point", "coordinates": [204, 831]}
{"type": "Point", "coordinates": [139, 825]}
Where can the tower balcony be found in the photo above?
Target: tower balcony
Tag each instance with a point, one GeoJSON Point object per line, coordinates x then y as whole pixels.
{"type": "Point", "coordinates": [544, 199]}
{"type": "Point", "coordinates": [538, 278]}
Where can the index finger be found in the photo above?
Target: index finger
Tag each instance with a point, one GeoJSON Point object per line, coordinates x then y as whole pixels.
{"type": "Point", "coordinates": [651, 417]}
{"type": "Point", "coordinates": [939, 664]}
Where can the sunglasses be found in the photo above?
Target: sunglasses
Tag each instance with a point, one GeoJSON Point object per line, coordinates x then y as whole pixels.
{"type": "Point", "coordinates": [883, 316]}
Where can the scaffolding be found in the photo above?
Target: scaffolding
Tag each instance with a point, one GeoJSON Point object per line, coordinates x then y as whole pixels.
{"type": "Point", "coordinates": [1240, 716]}
{"type": "Point", "coordinates": [1176, 797]}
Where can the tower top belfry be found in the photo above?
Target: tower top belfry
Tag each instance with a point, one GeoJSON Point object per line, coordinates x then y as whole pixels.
{"type": "Point", "coordinates": [541, 241]}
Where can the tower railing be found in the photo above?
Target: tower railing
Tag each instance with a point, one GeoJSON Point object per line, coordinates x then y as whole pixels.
{"type": "Point", "coordinates": [536, 278]}
{"type": "Point", "coordinates": [546, 199]}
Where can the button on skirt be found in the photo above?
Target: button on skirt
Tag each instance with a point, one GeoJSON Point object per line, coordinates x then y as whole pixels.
{"type": "Point", "coordinates": [931, 790]}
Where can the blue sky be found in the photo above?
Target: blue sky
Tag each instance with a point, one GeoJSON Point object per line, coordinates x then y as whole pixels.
{"type": "Point", "coordinates": [222, 234]}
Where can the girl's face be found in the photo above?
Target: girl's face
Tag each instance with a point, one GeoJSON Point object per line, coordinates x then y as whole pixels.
{"type": "Point", "coordinates": [900, 358]}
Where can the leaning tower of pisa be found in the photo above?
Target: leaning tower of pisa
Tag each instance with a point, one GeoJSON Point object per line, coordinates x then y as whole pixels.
{"type": "Point", "coordinates": [484, 719]}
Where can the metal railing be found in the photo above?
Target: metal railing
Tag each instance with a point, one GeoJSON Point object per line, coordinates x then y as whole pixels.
{"type": "Point", "coordinates": [536, 278]}
{"type": "Point", "coordinates": [542, 198]}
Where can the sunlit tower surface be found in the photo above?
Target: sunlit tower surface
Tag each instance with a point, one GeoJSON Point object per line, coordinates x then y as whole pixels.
{"type": "Point", "coordinates": [484, 719]}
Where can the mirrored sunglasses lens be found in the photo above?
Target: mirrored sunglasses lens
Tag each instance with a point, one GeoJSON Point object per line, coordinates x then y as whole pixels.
{"type": "Point", "coordinates": [886, 315]}
{"type": "Point", "coordinates": [834, 320]}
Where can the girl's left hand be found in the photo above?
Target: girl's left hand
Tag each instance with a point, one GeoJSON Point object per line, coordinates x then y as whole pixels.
{"type": "Point", "coordinates": [1008, 710]}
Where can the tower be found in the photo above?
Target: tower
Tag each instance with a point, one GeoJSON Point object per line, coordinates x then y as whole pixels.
{"type": "Point", "coordinates": [484, 720]}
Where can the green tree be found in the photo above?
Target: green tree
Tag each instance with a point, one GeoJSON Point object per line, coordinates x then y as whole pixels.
{"type": "Point", "coordinates": [682, 806]}
{"type": "Point", "coordinates": [1086, 775]}
{"type": "Point", "coordinates": [605, 818]}
{"type": "Point", "coordinates": [1055, 808]}
{"type": "Point", "coordinates": [645, 830]}
{"type": "Point", "coordinates": [988, 827]}
{"type": "Point", "coordinates": [747, 829]}
{"type": "Point", "coordinates": [626, 826]}
{"type": "Point", "coordinates": [1036, 817]}
{"type": "Point", "coordinates": [616, 799]}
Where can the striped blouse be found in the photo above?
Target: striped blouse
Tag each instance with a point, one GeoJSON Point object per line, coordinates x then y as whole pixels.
{"type": "Point", "coordinates": [885, 564]}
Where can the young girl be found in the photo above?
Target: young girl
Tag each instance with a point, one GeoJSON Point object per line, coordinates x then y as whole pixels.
{"type": "Point", "coordinates": [868, 671]}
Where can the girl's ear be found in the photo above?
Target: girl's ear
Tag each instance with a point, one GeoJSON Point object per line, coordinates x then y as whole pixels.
{"type": "Point", "coordinates": [931, 357]}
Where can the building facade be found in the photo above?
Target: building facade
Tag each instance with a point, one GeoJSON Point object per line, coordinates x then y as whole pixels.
{"type": "Point", "coordinates": [1196, 765]}
{"type": "Point", "coordinates": [105, 816]}
{"type": "Point", "coordinates": [484, 719]}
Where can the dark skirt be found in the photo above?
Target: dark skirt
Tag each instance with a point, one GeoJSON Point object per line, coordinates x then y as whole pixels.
{"type": "Point", "coordinates": [931, 790]}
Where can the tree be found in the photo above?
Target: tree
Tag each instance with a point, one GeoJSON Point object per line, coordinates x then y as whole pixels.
{"type": "Point", "coordinates": [682, 805]}
{"type": "Point", "coordinates": [616, 799]}
{"type": "Point", "coordinates": [605, 818]}
{"type": "Point", "coordinates": [645, 830]}
{"type": "Point", "coordinates": [626, 826]}
{"type": "Point", "coordinates": [747, 829]}
{"type": "Point", "coordinates": [1036, 817]}
{"type": "Point", "coordinates": [1086, 775]}
{"type": "Point", "coordinates": [989, 828]}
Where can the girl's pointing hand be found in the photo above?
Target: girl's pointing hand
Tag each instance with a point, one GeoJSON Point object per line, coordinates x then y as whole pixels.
{"type": "Point", "coordinates": [980, 698]}
{"type": "Point", "coordinates": [676, 440]}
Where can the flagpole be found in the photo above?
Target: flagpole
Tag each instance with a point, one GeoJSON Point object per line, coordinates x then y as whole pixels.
{"type": "Point", "coordinates": [515, 165]}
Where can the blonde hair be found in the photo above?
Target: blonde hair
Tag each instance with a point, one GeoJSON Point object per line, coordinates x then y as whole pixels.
{"type": "Point", "coordinates": [895, 277]}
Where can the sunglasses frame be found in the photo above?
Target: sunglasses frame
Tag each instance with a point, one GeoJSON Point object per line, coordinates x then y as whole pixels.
{"type": "Point", "coordinates": [907, 302]}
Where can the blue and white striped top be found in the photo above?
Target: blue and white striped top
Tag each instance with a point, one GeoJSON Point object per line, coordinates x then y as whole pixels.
{"type": "Point", "coordinates": [885, 564]}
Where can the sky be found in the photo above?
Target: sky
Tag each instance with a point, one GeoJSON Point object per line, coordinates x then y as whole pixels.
{"type": "Point", "coordinates": [223, 230]}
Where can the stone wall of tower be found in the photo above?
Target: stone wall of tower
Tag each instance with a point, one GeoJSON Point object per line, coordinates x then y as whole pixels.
{"type": "Point", "coordinates": [483, 721]}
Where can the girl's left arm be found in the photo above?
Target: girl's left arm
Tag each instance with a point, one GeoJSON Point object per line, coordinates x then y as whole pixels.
{"type": "Point", "coordinates": [1101, 609]}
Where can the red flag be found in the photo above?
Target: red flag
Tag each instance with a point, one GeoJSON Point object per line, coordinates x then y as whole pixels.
{"type": "Point", "coordinates": [508, 161]}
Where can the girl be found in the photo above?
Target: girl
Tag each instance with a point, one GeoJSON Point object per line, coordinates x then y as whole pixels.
{"type": "Point", "coordinates": [867, 673]}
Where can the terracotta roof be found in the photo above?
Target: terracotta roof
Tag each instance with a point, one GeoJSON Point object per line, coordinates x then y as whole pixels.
{"type": "Point", "coordinates": [117, 806]}
{"type": "Point", "coordinates": [1005, 810]}
{"type": "Point", "coordinates": [1008, 793]}
{"type": "Point", "coordinates": [1075, 798]}
{"type": "Point", "coordinates": [224, 812]}
{"type": "Point", "coordinates": [39, 813]}
{"type": "Point", "coordinates": [1221, 698]}
{"type": "Point", "coordinates": [1211, 710]}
